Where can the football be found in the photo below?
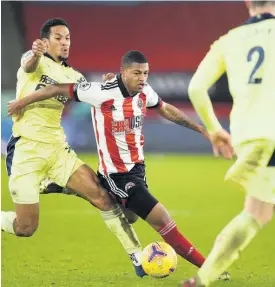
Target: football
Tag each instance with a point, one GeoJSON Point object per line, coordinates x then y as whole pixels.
{"type": "Point", "coordinates": [159, 259]}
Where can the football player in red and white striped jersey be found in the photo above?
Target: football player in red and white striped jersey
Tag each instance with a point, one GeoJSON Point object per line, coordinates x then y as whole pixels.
{"type": "Point", "coordinates": [118, 109]}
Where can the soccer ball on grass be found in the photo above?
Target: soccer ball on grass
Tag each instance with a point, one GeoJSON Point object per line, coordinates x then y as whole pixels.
{"type": "Point", "coordinates": [159, 259]}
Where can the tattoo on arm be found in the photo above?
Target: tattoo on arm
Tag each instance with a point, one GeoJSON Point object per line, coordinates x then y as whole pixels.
{"type": "Point", "coordinates": [173, 114]}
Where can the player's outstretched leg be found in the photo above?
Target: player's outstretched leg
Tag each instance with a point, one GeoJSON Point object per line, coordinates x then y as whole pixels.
{"type": "Point", "coordinates": [233, 239]}
{"type": "Point", "coordinates": [148, 208]}
{"type": "Point", "coordinates": [161, 221]}
{"type": "Point", "coordinates": [47, 186]}
{"type": "Point", "coordinates": [86, 183]}
{"type": "Point", "coordinates": [24, 192]}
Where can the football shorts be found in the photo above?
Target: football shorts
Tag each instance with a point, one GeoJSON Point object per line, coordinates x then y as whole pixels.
{"type": "Point", "coordinates": [131, 190]}
{"type": "Point", "coordinates": [254, 169]}
{"type": "Point", "coordinates": [28, 162]}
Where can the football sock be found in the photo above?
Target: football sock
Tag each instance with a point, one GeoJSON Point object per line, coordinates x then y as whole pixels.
{"type": "Point", "coordinates": [230, 242]}
{"type": "Point", "coordinates": [122, 229]}
{"type": "Point", "coordinates": [181, 245]}
{"type": "Point", "coordinates": [7, 219]}
{"type": "Point", "coordinates": [136, 259]}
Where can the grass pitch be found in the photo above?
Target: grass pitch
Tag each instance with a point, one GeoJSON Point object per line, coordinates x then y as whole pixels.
{"type": "Point", "coordinates": [73, 248]}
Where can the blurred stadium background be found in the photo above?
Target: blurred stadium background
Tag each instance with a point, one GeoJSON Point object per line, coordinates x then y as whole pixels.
{"type": "Point", "coordinates": [173, 35]}
{"type": "Point", "coordinates": [73, 247]}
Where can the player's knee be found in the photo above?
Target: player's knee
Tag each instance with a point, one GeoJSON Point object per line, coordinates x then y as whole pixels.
{"type": "Point", "coordinates": [261, 211]}
{"type": "Point", "coordinates": [103, 201]}
{"type": "Point", "coordinates": [265, 218]}
{"type": "Point", "coordinates": [26, 226]}
{"type": "Point", "coordinates": [26, 230]}
{"type": "Point", "coordinates": [158, 217]}
{"type": "Point", "coordinates": [131, 216]}
{"type": "Point", "coordinates": [99, 197]}
{"type": "Point", "coordinates": [24, 233]}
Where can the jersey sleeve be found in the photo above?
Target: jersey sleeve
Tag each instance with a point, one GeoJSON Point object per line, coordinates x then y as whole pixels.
{"type": "Point", "coordinates": [211, 68]}
{"type": "Point", "coordinates": [26, 56]}
{"type": "Point", "coordinates": [153, 100]}
{"type": "Point", "coordinates": [88, 92]}
{"type": "Point", "coordinates": [209, 71]}
{"type": "Point", "coordinates": [29, 54]}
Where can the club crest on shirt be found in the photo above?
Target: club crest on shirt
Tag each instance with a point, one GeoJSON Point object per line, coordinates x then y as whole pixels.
{"type": "Point", "coordinates": [84, 86]}
{"type": "Point", "coordinates": [81, 80]}
{"type": "Point", "coordinates": [140, 103]}
{"type": "Point", "coordinates": [129, 185]}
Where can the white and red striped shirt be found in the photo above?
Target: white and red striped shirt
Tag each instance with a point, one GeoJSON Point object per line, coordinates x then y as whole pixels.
{"type": "Point", "coordinates": [118, 121]}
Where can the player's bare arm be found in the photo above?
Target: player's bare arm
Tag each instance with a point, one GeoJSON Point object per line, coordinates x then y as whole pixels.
{"type": "Point", "coordinates": [66, 90]}
{"type": "Point", "coordinates": [15, 107]}
{"type": "Point", "coordinates": [30, 59]}
{"type": "Point", "coordinates": [173, 114]}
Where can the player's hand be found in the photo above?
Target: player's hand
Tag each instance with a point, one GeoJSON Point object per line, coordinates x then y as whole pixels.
{"type": "Point", "coordinates": [15, 108]}
{"type": "Point", "coordinates": [108, 77]}
{"type": "Point", "coordinates": [38, 48]}
{"type": "Point", "coordinates": [221, 142]}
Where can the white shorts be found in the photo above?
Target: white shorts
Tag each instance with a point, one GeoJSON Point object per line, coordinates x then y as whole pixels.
{"type": "Point", "coordinates": [28, 162]}
{"type": "Point", "coordinates": [254, 169]}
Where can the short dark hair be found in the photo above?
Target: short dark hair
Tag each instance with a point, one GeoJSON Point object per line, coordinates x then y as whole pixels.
{"type": "Point", "coordinates": [133, 57]}
{"type": "Point", "coordinates": [256, 3]}
{"type": "Point", "coordinates": [45, 30]}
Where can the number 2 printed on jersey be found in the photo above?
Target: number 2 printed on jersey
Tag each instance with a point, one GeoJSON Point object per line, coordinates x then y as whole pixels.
{"type": "Point", "coordinates": [254, 52]}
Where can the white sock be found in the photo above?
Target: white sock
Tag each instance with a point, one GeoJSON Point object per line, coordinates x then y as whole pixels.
{"type": "Point", "coordinates": [120, 227]}
{"type": "Point", "coordinates": [136, 258]}
{"type": "Point", "coordinates": [7, 219]}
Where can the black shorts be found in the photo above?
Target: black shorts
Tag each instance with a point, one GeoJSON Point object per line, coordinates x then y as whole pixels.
{"type": "Point", "coordinates": [131, 190]}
